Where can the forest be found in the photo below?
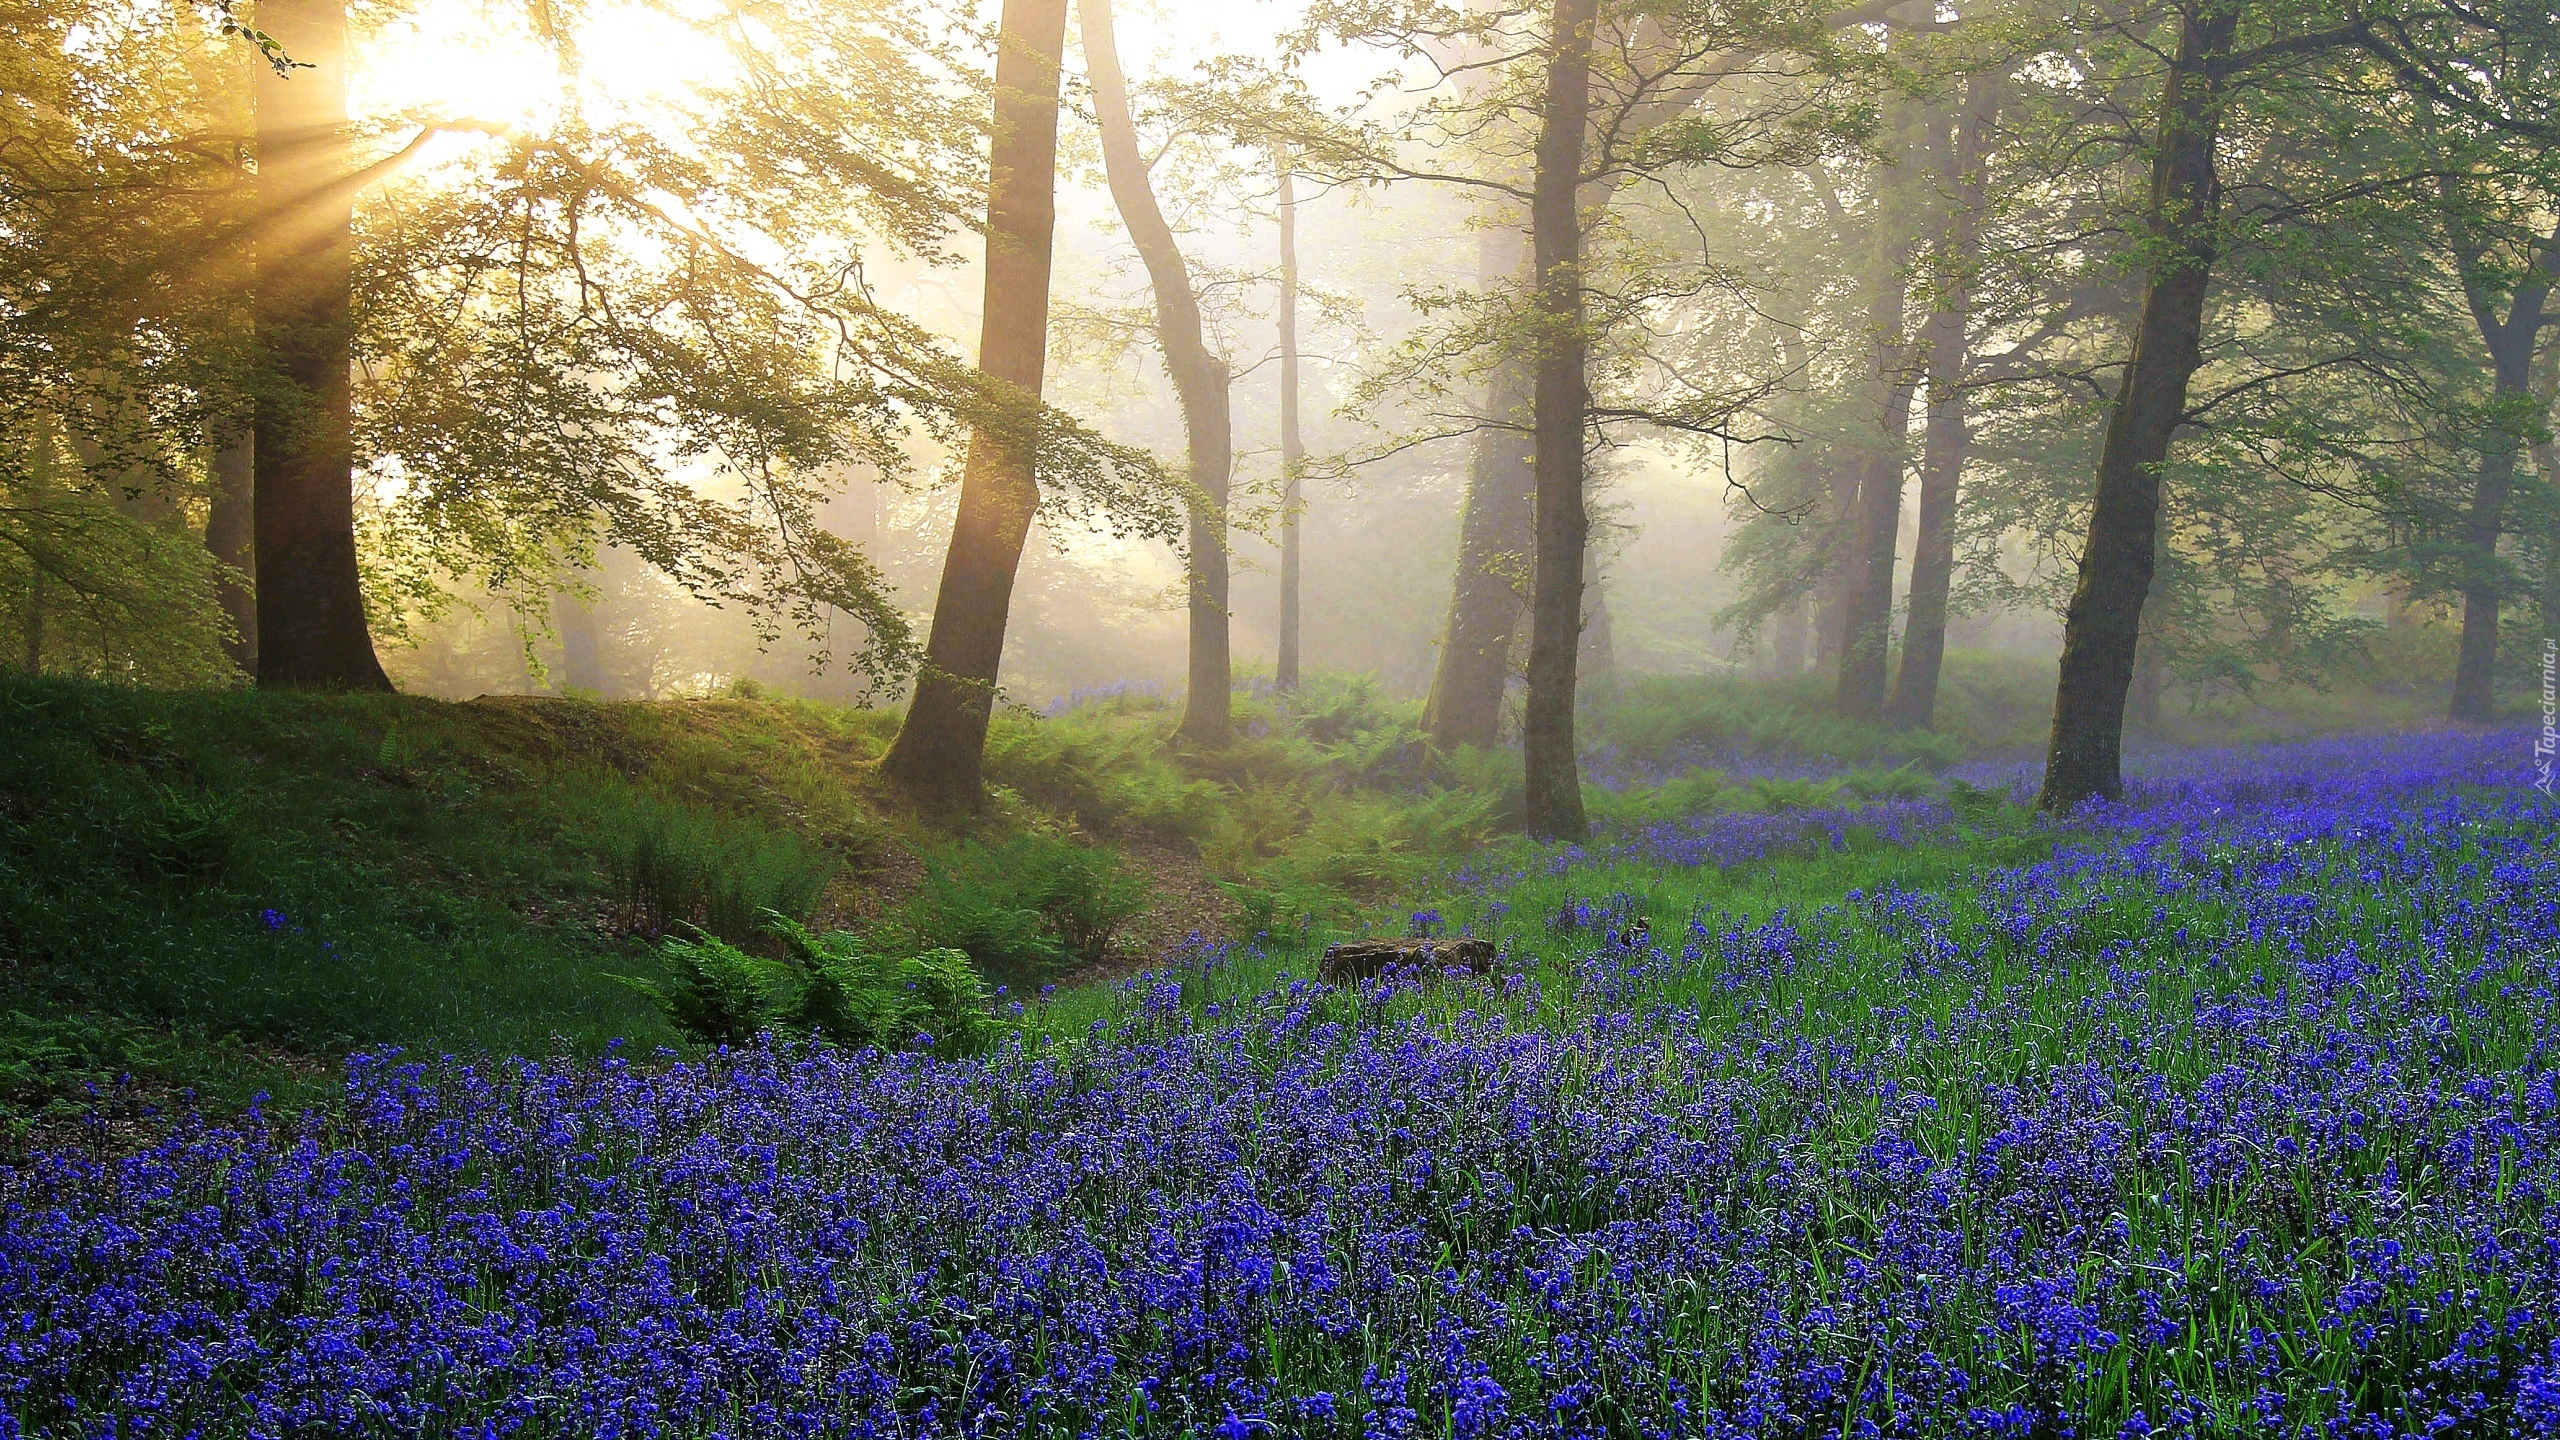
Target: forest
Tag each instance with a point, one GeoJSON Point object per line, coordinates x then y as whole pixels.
{"type": "Point", "coordinates": [1303, 718]}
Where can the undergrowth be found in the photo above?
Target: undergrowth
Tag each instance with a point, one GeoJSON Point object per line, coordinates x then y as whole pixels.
{"type": "Point", "coordinates": [228, 890]}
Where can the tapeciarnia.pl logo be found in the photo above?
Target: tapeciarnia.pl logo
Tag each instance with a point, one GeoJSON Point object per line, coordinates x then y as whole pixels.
{"type": "Point", "coordinates": [2548, 743]}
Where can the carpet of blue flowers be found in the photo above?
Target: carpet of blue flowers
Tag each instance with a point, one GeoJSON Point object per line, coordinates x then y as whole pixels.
{"type": "Point", "coordinates": [2236, 1116]}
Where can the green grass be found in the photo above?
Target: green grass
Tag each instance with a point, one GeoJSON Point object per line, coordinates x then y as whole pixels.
{"type": "Point", "coordinates": [1986, 704]}
{"type": "Point", "coordinates": [1288, 949]}
{"type": "Point", "coordinates": [228, 890]}
{"type": "Point", "coordinates": [233, 888]}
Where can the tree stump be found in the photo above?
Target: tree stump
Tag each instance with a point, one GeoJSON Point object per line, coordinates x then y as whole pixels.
{"type": "Point", "coordinates": [1357, 960]}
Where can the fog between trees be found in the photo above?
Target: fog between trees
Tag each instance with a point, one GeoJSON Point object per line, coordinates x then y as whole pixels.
{"type": "Point", "coordinates": [2191, 348]}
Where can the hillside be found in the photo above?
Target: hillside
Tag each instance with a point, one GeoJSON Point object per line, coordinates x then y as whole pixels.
{"type": "Point", "coordinates": [230, 890]}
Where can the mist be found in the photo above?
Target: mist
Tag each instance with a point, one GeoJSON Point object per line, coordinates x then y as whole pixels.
{"type": "Point", "coordinates": [1294, 718]}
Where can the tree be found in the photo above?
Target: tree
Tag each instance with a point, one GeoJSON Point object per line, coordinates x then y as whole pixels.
{"type": "Point", "coordinates": [591, 333]}
{"type": "Point", "coordinates": [1647, 83]}
{"type": "Point", "coordinates": [1866, 609]}
{"type": "Point", "coordinates": [1964, 178]}
{"type": "Point", "coordinates": [2421, 60]}
{"type": "Point", "coordinates": [120, 333]}
{"type": "Point", "coordinates": [2104, 620]}
{"type": "Point", "coordinates": [312, 630]}
{"type": "Point", "coordinates": [1490, 587]}
{"type": "Point", "coordinates": [941, 745]}
{"type": "Point", "coordinates": [1200, 378]}
{"type": "Point", "coordinates": [2522, 278]}
{"type": "Point", "coordinates": [1561, 407]}
{"type": "Point", "coordinates": [657, 329]}
{"type": "Point", "coordinates": [1293, 445]}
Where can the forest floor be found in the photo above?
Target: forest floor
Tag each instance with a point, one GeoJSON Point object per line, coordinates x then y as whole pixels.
{"type": "Point", "coordinates": [225, 893]}
{"type": "Point", "coordinates": [1905, 1110]}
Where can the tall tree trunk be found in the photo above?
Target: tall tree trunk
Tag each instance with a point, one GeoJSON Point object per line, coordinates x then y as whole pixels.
{"type": "Point", "coordinates": [1914, 705]}
{"type": "Point", "coordinates": [1293, 449]}
{"type": "Point", "coordinates": [1947, 438]}
{"type": "Point", "coordinates": [2150, 680]}
{"type": "Point", "coordinates": [940, 753]}
{"type": "Point", "coordinates": [1562, 407]}
{"type": "Point", "coordinates": [1494, 535]}
{"type": "Point", "coordinates": [1199, 377]}
{"type": "Point", "coordinates": [1866, 628]}
{"type": "Point", "coordinates": [1867, 615]}
{"type": "Point", "coordinates": [311, 622]}
{"type": "Point", "coordinates": [2475, 668]}
{"type": "Point", "coordinates": [229, 528]}
{"type": "Point", "coordinates": [1832, 590]}
{"type": "Point", "coordinates": [2103, 624]}
{"type": "Point", "coordinates": [1598, 656]}
{"type": "Point", "coordinates": [2511, 341]}
{"type": "Point", "coordinates": [2546, 465]}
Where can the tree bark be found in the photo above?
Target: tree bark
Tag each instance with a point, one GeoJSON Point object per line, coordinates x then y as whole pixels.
{"type": "Point", "coordinates": [1598, 655]}
{"type": "Point", "coordinates": [229, 530]}
{"type": "Point", "coordinates": [2150, 679]}
{"type": "Point", "coordinates": [2511, 341]}
{"type": "Point", "coordinates": [1867, 612]}
{"type": "Point", "coordinates": [1914, 705]}
{"type": "Point", "coordinates": [2475, 667]}
{"type": "Point", "coordinates": [1494, 536]}
{"type": "Point", "coordinates": [311, 621]}
{"type": "Point", "coordinates": [1199, 378]}
{"type": "Point", "coordinates": [1831, 593]}
{"type": "Point", "coordinates": [1562, 409]}
{"type": "Point", "coordinates": [2104, 621]}
{"type": "Point", "coordinates": [1293, 448]}
{"type": "Point", "coordinates": [1946, 438]}
{"type": "Point", "coordinates": [940, 753]}
{"type": "Point", "coordinates": [2546, 465]}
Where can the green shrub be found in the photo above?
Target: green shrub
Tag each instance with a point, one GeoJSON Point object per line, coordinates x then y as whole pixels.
{"type": "Point", "coordinates": [1674, 717]}
{"type": "Point", "coordinates": [1026, 908]}
{"type": "Point", "coordinates": [1695, 793]}
{"type": "Point", "coordinates": [717, 994]}
{"type": "Point", "coordinates": [861, 990]}
{"type": "Point", "coordinates": [961, 906]}
{"type": "Point", "coordinates": [1900, 783]}
{"type": "Point", "coordinates": [672, 865]}
{"type": "Point", "coordinates": [1101, 767]}
{"type": "Point", "coordinates": [1977, 806]}
{"type": "Point", "coordinates": [185, 836]}
{"type": "Point", "coordinates": [844, 988]}
{"type": "Point", "coordinates": [41, 1053]}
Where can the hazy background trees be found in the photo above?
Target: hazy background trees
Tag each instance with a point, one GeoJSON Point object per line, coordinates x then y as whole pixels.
{"type": "Point", "coordinates": [639, 349]}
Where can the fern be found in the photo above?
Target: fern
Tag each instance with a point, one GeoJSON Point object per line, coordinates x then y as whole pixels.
{"type": "Point", "coordinates": [843, 988]}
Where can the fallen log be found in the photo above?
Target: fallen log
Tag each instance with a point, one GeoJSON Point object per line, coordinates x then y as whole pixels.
{"type": "Point", "coordinates": [1357, 960]}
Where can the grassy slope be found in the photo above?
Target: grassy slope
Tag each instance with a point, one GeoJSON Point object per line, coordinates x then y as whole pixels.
{"type": "Point", "coordinates": [205, 885]}
{"type": "Point", "coordinates": [228, 889]}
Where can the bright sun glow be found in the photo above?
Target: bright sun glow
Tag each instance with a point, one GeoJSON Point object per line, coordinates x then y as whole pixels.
{"type": "Point", "coordinates": [455, 60]}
